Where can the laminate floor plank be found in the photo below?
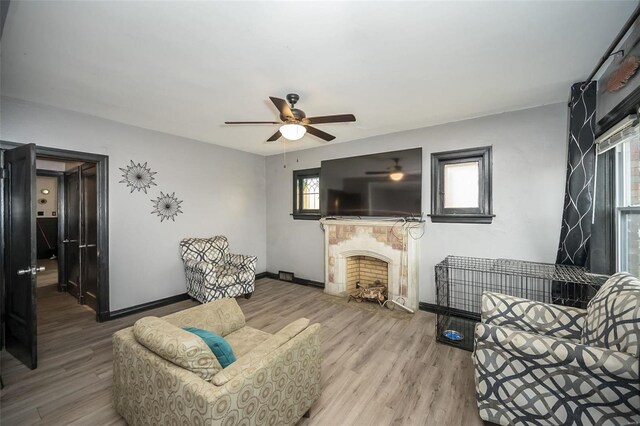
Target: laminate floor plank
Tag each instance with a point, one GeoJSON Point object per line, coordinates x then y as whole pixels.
{"type": "Point", "coordinates": [377, 368]}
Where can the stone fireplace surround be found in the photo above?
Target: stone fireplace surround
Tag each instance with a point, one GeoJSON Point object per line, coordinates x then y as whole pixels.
{"type": "Point", "coordinates": [386, 240]}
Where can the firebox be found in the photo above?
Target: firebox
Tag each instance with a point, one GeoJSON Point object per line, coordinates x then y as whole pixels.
{"type": "Point", "coordinates": [366, 270]}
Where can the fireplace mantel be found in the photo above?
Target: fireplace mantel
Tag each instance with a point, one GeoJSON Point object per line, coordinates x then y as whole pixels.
{"type": "Point", "coordinates": [366, 222]}
{"type": "Point", "coordinates": [387, 240]}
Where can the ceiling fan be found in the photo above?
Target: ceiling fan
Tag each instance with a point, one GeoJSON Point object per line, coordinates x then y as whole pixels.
{"type": "Point", "coordinates": [295, 122]}
{"type": "Point", "coordinates": [394, 172]}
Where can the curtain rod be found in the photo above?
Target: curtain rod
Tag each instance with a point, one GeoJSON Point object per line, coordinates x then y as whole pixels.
{"type": "Point", "coordinates": [615, 42]}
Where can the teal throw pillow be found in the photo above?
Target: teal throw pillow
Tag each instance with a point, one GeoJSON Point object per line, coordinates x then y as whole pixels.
{"type": "Point", "coordinates": [218, 345]}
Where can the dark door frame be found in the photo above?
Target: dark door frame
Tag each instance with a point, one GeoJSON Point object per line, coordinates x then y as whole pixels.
{"type": "Point", "coordinates": [3, 177]}
{"type": "Point", "coordinates": [88, 236]}
{"type": "Point", "coordinates": [66, 231]}
{"type": "Point", "coordinates": [102, 165]}
{"type": "Point", "coordinates": [60, 215]}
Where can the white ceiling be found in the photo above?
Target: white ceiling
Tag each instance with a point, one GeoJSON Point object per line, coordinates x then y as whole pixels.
{"type": "Point", "coordinates": [185, 68]}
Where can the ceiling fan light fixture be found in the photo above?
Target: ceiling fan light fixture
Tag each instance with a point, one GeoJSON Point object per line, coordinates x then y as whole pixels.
{"type": "Point", "coordinates": [292, 131]}
{"type": "Point", "coordinates": [396, 176]}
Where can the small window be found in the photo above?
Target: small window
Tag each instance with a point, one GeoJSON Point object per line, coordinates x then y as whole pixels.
{"type": "Point", "coordinates": [461, 186]}
{"type": "Point", "coordinates": [306, 194]}
{"type": "Point", "coordinates": [461, 189]}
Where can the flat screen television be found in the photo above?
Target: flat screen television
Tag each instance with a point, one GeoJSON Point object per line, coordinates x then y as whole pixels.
{"type": "Point", "coordinates": [387, 184]}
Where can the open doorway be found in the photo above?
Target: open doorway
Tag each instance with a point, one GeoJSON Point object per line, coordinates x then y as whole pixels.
{"type": "Point", "coordinates": [66, 222]}
{"type": "Point", "coordinates": [58, 243]}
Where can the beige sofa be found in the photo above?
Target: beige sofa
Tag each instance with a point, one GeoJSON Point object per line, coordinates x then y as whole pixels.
{"type": "Point", "coordinates": [163, 375]}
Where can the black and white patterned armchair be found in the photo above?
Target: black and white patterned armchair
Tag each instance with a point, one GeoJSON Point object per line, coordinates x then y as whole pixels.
{"type": "Point", "coordinates": [213, 273]}
{"type": "Point", "coordinates": [542, 364]}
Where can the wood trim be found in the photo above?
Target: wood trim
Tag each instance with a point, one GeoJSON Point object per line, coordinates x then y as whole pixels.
{"type": "Point", "coordinates": [261, 275]}
{"type": "Point", "coordinates": [297, 280]}
{"type": "Point", "coordinates": [306, 216]}
{"type": "Point", "coordinates": [462, 218]}
{"type": "Point", "coordinates": [62, 215]}
{"type": "Point", "coordinates": [2, 249]}
{"type": "Point", "coordinates": [48, 173]}
{"type": "Point", "coordinates": [145, 306]}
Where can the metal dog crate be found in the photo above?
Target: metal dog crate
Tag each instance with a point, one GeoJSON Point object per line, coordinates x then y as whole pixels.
{"type": "Point", "coordinates": [460, 282]}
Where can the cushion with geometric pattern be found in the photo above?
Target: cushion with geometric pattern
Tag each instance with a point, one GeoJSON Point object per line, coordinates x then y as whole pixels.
{"type": "Point", "coordinates": [613, 315]}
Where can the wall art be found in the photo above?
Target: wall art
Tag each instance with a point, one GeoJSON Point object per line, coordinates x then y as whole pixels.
{"type": "Point", "coordinates": [138, 176]}
{"type": "Point", "coordinates": [166, 206]}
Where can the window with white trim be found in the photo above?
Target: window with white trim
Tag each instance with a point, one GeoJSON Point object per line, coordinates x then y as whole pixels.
{"type": "Point", "coordinates": [628, 205]}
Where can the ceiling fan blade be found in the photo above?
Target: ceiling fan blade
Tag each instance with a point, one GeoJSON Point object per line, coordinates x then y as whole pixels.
{"type": "Point", "coordinates": [319, 133]}
{"type": "Point", "coordinates": [340, 118]}
{"type": "Point", "coordinates": [282, 106]}
{"type": "Point", "coordinates": [376, 173]}
{"type": "Point", "coordinates": [277, 135]}
{"type": "Point", "coordinates": [251, 122]}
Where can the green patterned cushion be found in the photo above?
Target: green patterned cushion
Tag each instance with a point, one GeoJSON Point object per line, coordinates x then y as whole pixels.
{"type": "Point", "coordinates": [218, 345]}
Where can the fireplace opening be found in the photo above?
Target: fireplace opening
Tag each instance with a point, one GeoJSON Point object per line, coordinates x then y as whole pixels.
{"type": "Point", "coordinates": [367, 278]}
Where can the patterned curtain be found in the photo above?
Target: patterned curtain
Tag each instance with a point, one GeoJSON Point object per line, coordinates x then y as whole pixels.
{"type": "Point", "coordinates": [575, 234]}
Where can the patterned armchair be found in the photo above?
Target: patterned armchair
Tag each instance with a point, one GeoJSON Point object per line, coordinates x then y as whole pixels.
{"type": "Point", "coordinates": [541, 364]}
{"type": "Point", "coordinates": [212, 273]}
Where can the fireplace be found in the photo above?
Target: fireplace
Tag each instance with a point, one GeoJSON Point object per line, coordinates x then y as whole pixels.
{"type": "Point", "coordinates": [376, 243]}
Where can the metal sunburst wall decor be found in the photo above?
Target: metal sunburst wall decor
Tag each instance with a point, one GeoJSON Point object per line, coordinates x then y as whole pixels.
{"type": "Point", "coordinates": [138, 176]}
{"type": "Point", "coordinates": [166, 206]}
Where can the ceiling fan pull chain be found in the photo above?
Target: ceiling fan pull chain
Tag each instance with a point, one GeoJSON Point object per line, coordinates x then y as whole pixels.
{"type": "Point", "coordinates": [284, 154]}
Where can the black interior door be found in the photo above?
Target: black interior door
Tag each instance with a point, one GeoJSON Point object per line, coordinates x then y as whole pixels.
{"type": "Point", "coordinates": [89, 236]}
{"type": "Point", "coordinates": [71, 241]}
{"type": "Point", "coordinates": [20, 254]}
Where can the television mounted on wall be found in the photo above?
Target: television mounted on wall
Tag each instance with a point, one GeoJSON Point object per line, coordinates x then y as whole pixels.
{"type": "Point", "coordinates": [387, 184]}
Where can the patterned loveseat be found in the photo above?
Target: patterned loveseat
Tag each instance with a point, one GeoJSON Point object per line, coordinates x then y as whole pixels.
{"type": "Point", "coordinates": [212, 273]}
{"type": "Point", "coordinates": [163, 375]}
{"type": "Point", "coordinates": [541, 364]}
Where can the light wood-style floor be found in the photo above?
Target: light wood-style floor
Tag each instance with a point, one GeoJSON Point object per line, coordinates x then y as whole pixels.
{"type": "Point", "coordinates": [377, 370]}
